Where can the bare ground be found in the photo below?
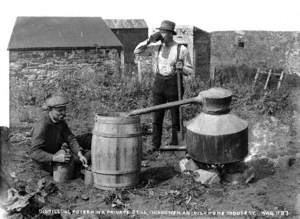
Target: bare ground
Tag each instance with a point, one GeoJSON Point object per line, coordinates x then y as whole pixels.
{"type": "Point", "coordinates": [162, 186]}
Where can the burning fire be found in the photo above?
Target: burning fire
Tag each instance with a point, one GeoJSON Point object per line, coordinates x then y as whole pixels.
{"type": "Point", "coordinates": [3, 213]}
{"type": "Point", "coordinates": [268, 139]}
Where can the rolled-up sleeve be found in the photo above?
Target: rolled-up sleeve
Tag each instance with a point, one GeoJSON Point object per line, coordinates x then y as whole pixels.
{"type": "Point", "coordinates": [140, 48]}
{"type": "Point", "coordinates": [187, 67]}
{"type": "Point", "coordinates": [144, 48]}
{"type": "Point", "coordinates": [38, 140]}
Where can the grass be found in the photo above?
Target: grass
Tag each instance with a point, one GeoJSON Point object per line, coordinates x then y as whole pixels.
{"type": "Point", "coordinates": [97, 94]}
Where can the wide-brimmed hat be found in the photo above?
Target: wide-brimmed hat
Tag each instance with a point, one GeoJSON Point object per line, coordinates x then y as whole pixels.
{"type": "Point", "coordinates": [168, 25]}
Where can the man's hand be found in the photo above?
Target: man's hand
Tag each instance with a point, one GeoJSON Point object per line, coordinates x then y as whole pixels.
{"type": "Point", "coordinates": [155, 37]}
{"type": "Point", "coordinates": [61, 156]}
{"type": "Point", "coordinates": [82, 159]}
{"type": "Point", "coordinates": [179, 65]}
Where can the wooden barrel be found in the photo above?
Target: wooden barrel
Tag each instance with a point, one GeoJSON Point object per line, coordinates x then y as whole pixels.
{"type": "Point", "coordinates": [116, 151]}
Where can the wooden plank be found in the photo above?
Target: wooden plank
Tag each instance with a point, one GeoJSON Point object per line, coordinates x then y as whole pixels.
{"type": "Point", "coordinates": [256, 77]}
{"type": "Point", "coordinates": [280, 80]}
{"type": "Point", "coordinates": [273, 73]}
{"type": "Point", "coordinates": [268, 78]}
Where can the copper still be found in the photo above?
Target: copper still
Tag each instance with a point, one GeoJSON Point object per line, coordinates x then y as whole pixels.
{"type": "Point", "coordinates": [215, 136]}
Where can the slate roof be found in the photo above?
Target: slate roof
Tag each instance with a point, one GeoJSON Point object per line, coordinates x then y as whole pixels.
{"type": "Point", "coordinates": [126, 23]}
{"type": "Point", "coordinates": [61, 32]}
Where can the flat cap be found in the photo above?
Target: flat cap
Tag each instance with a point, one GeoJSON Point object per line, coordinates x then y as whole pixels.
{"type": "Point", "coordinates": [56, 101]}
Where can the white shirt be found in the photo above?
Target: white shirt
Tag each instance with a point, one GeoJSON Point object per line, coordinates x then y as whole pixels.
{"type": "Point", "coordinates": [166, 59]}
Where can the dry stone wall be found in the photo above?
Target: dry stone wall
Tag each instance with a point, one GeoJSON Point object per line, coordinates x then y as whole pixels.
{"type": "Point", "coordinates": [36, 74]}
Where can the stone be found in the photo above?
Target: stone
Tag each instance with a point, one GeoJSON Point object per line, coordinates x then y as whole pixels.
{"type": "Point", "coordinates": [85, 197]}
{"type": "Point", "coordinates": [206, 177]}
{"type": "Point", "coordinates": [234, 178]}
{"type": "Point", "coordinates": [249, 175]}
{"type": "Point", "coordinates": [187, 165]}
{"type": "Point", "coordinates": [40, 72]}
{"type": "Point", "coordinates": [284, 162]}
{"type": "Point", "coordinates": [31, 77]}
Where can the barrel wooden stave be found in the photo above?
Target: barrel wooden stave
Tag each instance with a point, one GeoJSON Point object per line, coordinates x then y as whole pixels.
{"type": "Point", "coordinates": [116, 152]}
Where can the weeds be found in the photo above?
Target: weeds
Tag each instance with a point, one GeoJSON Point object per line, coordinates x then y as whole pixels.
{"type": "Point", "coordinates": [101, 93]}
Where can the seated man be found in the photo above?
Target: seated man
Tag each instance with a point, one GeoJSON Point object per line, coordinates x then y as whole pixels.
{"type": "Point", "coordinates": [51, 132]}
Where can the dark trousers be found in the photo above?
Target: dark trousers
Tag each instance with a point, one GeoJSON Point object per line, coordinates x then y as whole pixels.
{"type": "Point", "coordinates": [165, 90]}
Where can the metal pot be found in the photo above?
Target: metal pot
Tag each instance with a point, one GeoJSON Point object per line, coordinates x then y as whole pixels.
{"type": "Point", "coordinates": [215, 136]}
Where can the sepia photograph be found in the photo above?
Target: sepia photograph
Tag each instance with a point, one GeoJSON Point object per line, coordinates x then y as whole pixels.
{"type": "Point", "coordinates": [150, 109]}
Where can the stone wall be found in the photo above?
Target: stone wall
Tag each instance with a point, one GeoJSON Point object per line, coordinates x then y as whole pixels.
{"type": "Point", "coordinates": [202, 49]}
{"type": "Point", "coordinates": [263, 49]}
{"type": "Point", "coordinates": [198, 44]}
{"type": "Point", "coordinates": [35, 74]}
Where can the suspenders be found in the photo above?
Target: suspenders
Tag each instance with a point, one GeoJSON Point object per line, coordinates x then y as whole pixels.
{"type": "Point", "coordinates": [157, 61]}
{"type": "Point", "coordinates": [159, 49]}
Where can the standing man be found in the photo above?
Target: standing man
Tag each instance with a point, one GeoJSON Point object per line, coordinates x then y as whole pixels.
{"type": "Point", "coordinates": [49, 134]}
{"type": "Point", "coordinates": [169, 57]}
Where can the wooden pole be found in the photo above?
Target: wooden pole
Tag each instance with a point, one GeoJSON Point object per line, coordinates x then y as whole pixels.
{"type": "Point", "coordinates": [165, 106]}
{"type": "Point", "coordinates": [179, 82]}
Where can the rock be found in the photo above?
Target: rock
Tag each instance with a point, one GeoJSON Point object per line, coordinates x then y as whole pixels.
{"type": "Point", "coordinates": [234, 178]}
{"type": "Point", "coordinates": [187, 165]}
{"type": "Point", "coordinates": [31, 78]}
{"type": "Point", "coordinates": [85, 197]}
{"type": "Point", "coordinates": [249, 175]}
{"type": "Point", "coordinates": [41, 183]}
{"type": "Point", "coordinates": [284, 162]}
{"type": "Point", "coordinates": [206, 177]}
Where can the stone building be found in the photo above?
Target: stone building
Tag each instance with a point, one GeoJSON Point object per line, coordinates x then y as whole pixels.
{"type": "Point", "coordinates": [43, 51]}
{"type": "Point", "coordinates": [130, 32]}
{"type": "Point", "coordinates": [198, 44]}
{"type": "Point", "coordinates": [276, 50]}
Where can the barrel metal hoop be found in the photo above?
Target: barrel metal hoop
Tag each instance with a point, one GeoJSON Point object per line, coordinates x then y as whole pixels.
{"type": "Point", "coordinates": [113, 187]}
{"type": "Point", "coordinates": [116, 122]}
{"type": "Point", "coordinates": [110, 135]}
{"type": "Point", "coordinates": [111, 172]}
